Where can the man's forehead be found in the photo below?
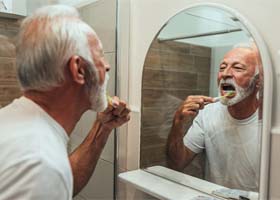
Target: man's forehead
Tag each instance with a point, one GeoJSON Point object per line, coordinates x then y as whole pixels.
{"type": "Point", "coordinates": [239, 51]}
{"type": "Point", "coordinates": [245, 54]}
{"type": "Point", "coordinates": [95, 42]}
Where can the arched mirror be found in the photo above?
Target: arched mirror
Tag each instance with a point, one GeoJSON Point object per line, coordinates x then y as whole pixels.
{"type": "Point", "coordinates": [202, 103]}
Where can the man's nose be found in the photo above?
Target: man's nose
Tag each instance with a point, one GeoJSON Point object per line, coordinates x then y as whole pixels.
{"type": "Point", "coordinates": [107, 67]}
{"type": "Point", "coordinates": [227, 73]}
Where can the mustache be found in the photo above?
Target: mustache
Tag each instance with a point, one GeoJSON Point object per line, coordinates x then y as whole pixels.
{"type": "Point", "coordinates": [107, 77]}
{"type": "Point", "coordinates": [228, 81]}
{"type": "Point", "coordinates": [231, 81]}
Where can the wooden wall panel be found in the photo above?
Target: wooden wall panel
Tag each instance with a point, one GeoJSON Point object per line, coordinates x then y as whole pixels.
{"type": "Point", "coordinates": [9, 87]}
{"type": "Point", "coordinates": [172, 71]}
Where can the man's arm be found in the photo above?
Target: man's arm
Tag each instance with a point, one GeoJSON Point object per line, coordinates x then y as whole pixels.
{"type": "Point", "coordinates": [179, 156]}
{"type": "Point", "coordinates": [84, 159]}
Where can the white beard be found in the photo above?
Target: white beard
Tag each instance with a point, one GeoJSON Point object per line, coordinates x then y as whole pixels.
{"type": "Point", "coordinates": [98, 96]}
{"type": "Point", "coordinates": [241, 93]}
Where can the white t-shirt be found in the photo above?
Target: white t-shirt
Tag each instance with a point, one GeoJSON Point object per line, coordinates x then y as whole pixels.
{"type": "Point", "coordinates": [232, 146]}
{"type": "Point", "coordinates": [34, 161]}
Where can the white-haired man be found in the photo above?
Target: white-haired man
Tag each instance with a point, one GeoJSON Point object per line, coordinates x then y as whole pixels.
{"type": "Point", "coordinates": [62, 72]}
{"type": "Point", "coordinates": [228, 131]}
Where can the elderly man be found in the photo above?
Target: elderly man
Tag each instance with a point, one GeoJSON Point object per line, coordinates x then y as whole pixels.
{"type": "Point", "coordinates": [62, 72]}
{"type": "Point", "coordinates": [228, 130]}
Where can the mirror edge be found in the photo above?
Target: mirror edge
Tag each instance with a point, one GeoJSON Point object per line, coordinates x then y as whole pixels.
{"type": "Point", "coordinates": [268, 88]}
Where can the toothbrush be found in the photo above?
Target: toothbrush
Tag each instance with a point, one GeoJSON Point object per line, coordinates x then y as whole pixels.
{"type": "Point", "coordinates": [111, 101]}
{"type": "Point", "coordinates": [228, 94]}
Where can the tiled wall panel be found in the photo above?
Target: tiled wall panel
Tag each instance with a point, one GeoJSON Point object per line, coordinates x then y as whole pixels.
{"type": "Point", "coordinates": [9, 87]}
{"type": "Point", "coordinates": [101, 15]}
{"type": "Point", "coordinates": [172, 71]}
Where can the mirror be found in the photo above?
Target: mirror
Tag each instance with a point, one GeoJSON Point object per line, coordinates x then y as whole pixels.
{"type": "Point", "coordinates": [204, 52]}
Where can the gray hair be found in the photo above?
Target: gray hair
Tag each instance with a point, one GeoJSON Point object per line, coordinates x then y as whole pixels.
{"type": "Point", "coordinates": [46, 41]}
{"type": "Point", "coordinates": [251, 45]}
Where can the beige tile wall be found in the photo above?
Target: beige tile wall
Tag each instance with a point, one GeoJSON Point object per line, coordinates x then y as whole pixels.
{"type": "Point", "coordinates": [172, 71]}
{"type": "Point", "coordinates": [9, 87]}
{"type": "Point", "coordinates": [274, 193]}
{"type": "Point", "coordinates": [101, 15]}
{"type": "Point", "coordinates": [129, 192]}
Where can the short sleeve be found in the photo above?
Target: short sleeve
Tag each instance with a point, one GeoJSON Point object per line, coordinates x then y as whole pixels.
{"type": "Point", "coordinates": [195, 137]}
{"type": "Point", "coordinates": [32, 180]}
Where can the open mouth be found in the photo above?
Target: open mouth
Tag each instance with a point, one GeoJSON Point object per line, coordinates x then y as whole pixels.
{"type": "Point", "coordinates": [228, 90]}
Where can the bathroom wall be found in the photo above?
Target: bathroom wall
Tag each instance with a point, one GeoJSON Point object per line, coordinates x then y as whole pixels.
{"type": "Point", "coordinates": [9, 88]}
{"type": "Point", "coordinates": [32, 5]}
{"type": "Point", "coordinates": [101, 15]}
{"type": "Point", "coordinates": [77, 3]}
{"type": "Point", "coordinates": [17, 7]}
{"type": "Point", "coordinates": [172, 71]}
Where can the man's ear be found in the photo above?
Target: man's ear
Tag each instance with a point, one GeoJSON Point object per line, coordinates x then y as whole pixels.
{"type": "Point", "coordinates": [258, 82]}
{"type": "Point", "coordinates": [76, 69]}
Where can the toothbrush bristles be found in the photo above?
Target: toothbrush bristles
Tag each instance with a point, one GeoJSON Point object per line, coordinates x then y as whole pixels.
{"type": "Point", "coordinates": [109, 99]}
{"type": "Point", "coordinates": [227, 94]}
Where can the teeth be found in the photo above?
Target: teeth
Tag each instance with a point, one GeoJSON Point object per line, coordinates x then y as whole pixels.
{"type": "Point", "coordinates": [228, 87]}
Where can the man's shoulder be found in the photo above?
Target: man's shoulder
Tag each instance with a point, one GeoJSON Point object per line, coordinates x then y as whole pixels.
{"type": "Point", "coordinates": [17, 112]}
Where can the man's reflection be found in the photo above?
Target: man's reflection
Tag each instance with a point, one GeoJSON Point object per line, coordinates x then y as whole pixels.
{"type": "Point", "coordinates": [228, 130]}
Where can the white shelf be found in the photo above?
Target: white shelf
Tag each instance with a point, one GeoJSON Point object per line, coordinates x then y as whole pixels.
{"type": "Point", "coordinates": [184, 179]}
{"type": "Point", "coordinates": [159, 187]}
{"type": "Point", "coordinates": [165, 183]}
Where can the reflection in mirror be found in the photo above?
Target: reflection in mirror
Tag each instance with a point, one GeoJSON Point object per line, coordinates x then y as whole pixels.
{"type": "Point", "coordinates": [202, 99]}
{"type": "Point", "coordinates": [9, 87]}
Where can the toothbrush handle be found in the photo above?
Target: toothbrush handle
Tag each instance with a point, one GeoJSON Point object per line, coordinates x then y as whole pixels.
{"type": "Point", "coordinates": [216, 99]}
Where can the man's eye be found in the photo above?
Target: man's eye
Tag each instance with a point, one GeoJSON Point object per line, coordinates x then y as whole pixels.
{"type": "Point", "coordinates": [222, 67]}
{"type": "Point", "coordinates": [239, 67]}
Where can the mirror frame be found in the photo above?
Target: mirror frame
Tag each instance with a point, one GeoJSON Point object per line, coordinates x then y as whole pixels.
{"type": "Point", "coordinates": [127, 145]}
{"type": "Point", "coordinates": [268, 88]}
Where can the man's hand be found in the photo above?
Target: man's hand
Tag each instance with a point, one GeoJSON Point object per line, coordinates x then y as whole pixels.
{"type": "Point", "coordinates": [115, 115]}
{"type": "Point", "coordinates": [190, 108]}
{"type": "Point", "coordinates": [179, 155]}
